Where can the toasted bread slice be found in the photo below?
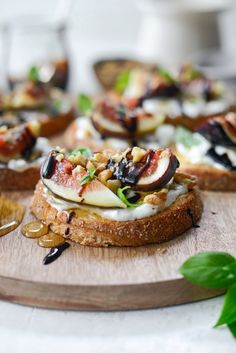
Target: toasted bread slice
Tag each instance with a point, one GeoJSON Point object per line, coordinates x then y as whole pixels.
{"type": "Point", "coordinates": [14, 180]}
{"type": "Point", "coordinates": [89, 229]}
{"type": "Point", "coordinates": [52, 125]}
{"type": "Point", "coordinates": [208, 177]}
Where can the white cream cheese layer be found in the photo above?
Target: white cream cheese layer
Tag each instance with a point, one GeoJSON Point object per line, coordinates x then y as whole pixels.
{"type": "Point", "coordinates": [190, 108]}
{"type": "Point", "coordinates": [117, 214]}
{"type": "Point", "coordinates": [197, 154]}
{"type": "Point", "coordinates": [20, 165]}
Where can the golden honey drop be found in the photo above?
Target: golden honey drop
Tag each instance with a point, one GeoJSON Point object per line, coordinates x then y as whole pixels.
{"type": "Point", "coordinates": [34, 230]}
{"type": "Point", "coordinates": [51, 240]}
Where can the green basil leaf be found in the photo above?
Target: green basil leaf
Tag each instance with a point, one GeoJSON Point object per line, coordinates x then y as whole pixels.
{"type": "Point", "coordinates": [232, 328]}
{"type": "Point", "coordinates": [121, 195]}
{"type": "Point", "coordinates": [88, 177]}
{"type": "Point", "coordinates": [85, 104]}
{"type": "Point", "coordinates": [186, 137]}
{"type": "Point", "coordinates": [122, 81]}
{"type": "Point", "coordinates": [209, 269]}
{"type": "Point", "coordinates": [228, 314]}
{"type": "Point", "coordinates": [167, 75]}
{"type": "Point", "coordinates": [85, 151]}
{"type": "Point", "coordinates": [33, 74]}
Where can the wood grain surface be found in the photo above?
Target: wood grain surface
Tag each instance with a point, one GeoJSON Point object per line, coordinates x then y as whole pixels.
{"type": "Point", "coordinates": [113, 278]}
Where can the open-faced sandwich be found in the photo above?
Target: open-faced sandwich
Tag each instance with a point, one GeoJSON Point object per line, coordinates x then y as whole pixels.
{"type": "Point", "coordinates": [112, 124]}
{"type": "Point", "coordinates": [36, 101]}
{"type": "Point", "coordinates": [21, 155]}
{"type": "Point", "coordinates": [186, 97]}
{"type": "Point", "coordinates": [210, 153]}
{"type": "Point", "coordinates": [125, 198]}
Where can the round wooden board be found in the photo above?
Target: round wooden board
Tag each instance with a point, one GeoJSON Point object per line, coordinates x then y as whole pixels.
{"type": "Point", "coordinates": [88, 278]}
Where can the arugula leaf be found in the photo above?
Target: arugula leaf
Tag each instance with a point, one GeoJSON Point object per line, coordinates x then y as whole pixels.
{"type": "Point", "coordinates": [210, 270]}
{"type": "Point", "coordinates": [228, 314]}
{"type": "Point", "coordinates": [85, 151]}
{"type": "Point", "coordinates": [186, 137]}
{"type": "Point", "coordinates": [33, 74]}
{"type": "Point", "coordinates": [121, 195]}
{"type": "Point", "coordinates": [122, 81]}
{"type": "Point", "coordinates": [232, 328]}
{"type": "Point", "coordinates": [88, 177]}
{"type": "Point", "coordinates": [85, 104]}
{"type": "Point", "coordinates": [167, 75]}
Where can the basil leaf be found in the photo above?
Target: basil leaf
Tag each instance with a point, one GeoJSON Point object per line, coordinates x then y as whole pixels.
{"type": "Point", "coordinates": [228, 314]}
{"type": "Point", "coordinates": [209, 269]}
{"type": "Point", "coordinates": [167, 75]}
{"type": "Point", "coordinates": [88, 177]}
{"type": "Point", "coordinates": [85, 104]}
{"type": "Point", "coordinates": [186, 137]}
{"type": "Point", "coordinates": [122, 81]}
{"type": "Point", "coordinates": [121, 195]}
{"type": "Point", "coordinates": [232, 328]}
{"type": "Point", "coordinates": [33, 74]}
{"type": "Point", "coordinates": [85, 151]}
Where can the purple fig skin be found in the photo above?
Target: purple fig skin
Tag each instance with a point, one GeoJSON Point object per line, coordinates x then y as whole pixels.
{"type": "Point", "coordinates": [164, 179]}
{"type": "Point", "coordinates": [214, 133]}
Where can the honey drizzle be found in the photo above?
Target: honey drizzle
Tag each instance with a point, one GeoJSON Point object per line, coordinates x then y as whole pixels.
{"type": "Point", "coordinates": [11, 215]}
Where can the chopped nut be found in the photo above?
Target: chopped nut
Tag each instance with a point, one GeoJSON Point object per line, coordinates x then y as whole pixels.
{"type": "Point", "coordinates": [90, 165]}
{"type": "Point", "coordinates": [100, 158]}
{"type": "Point", "coordinates": [101, 167]}
{"type": "Point", "coordinates": [59, 149]}
{"type": "Point", "coordinates": [78, 158]}
{"type": "Point", "coordinates": [189, 180]}
{"type": "Point", "coordinates": [79, 169]}
{"type": "Point", "coordinates": [137, 154]}
{"type": "Point", "coordinates": [157, 198]}
{"type": "Point", "coordinates": [113, 185]}
{"type": "Point", "coordinates": [105, 175]}
{"type": "Point", "coordinates": [59, 157]}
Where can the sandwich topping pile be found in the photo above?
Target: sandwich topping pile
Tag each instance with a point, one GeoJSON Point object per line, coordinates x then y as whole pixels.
{"type": "Point", "coordinates": [129, 185]}
{"type": "Point", "coordinates": [21, 148]}
{"type": "Point", "coordinates": [214, 143]}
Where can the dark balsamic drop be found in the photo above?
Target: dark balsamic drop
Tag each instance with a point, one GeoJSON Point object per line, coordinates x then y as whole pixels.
{"type": "Point", "coordinates": [190, 213]}
{"type": "Point", "coordinates": [71, 215]}
{"type": "Point", "coordinates": [222, 159]}
{"type": "Point", "coordinates": [213, 213]}
{"type": "Point", "coordinates": [49, 167]}
{"type": "Point", "coordinates": [55, 253]}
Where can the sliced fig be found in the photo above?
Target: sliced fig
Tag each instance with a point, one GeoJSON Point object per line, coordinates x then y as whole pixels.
{"type": "Point", "coordinates": [64, 181]}
{"type": "Point", "coordinates": [159, 171]}
{"type": "Point", "coordinates": [122, 122]}
{"type": "Point", "coordinates": [219, 131]}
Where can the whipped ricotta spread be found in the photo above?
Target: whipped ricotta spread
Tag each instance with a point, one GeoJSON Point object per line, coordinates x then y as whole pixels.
{"type": "Point", "coordinates": [197, 154]}
{"type": "Point", "coordinates": [19, 165]}
{"type": "Point", "coordinates": [162, 137]}
{"type": "Point", "coordinates": [117, 214]}
{"type": "Point", "coordinates": [190, 108]}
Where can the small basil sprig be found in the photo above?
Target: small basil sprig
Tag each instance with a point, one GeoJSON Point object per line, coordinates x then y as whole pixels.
{"type": "Point", "coordinates": [85, 104]}
{"type": "Point", "coordinates": [88, 177]}
{"type": "Point", "coordinates": [186, 137]}
{"type": "Point", "coordinates": [33, 74]}
{"type": "Point", "coordinates": [122, 81]}
{"type": "Point", "coordinates": [121, 195]}
{"type": "Point", "coordinates": [215, 270]}
{"type": "Point", "coordinates": [85, 151]}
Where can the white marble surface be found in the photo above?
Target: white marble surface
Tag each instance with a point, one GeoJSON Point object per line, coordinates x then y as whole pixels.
{"type": "Point", "coordinates": [183, 329]}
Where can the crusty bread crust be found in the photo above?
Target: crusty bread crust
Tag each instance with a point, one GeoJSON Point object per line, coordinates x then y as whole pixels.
{"type": "Point", "coordinates": [14, 180]}
{"type": "Point", "coordinates": [208, 178]}
{"type": "Point", "coordinates": [88, 229]}
{"type": "Point", "coordinates": [53, 125]}
{"type": "Point", "coordinates": [188, 123]}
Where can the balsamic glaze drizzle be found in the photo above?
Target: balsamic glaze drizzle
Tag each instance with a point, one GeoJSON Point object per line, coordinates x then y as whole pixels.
{"type": "Point", "coordinates": [49, 166]}
{"type": "Point", "coordinates": [190, 214]}
{"type": "Point", "coordinates": [222, 159]}
{"type": "Point", "coordinates": [55, 253]}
